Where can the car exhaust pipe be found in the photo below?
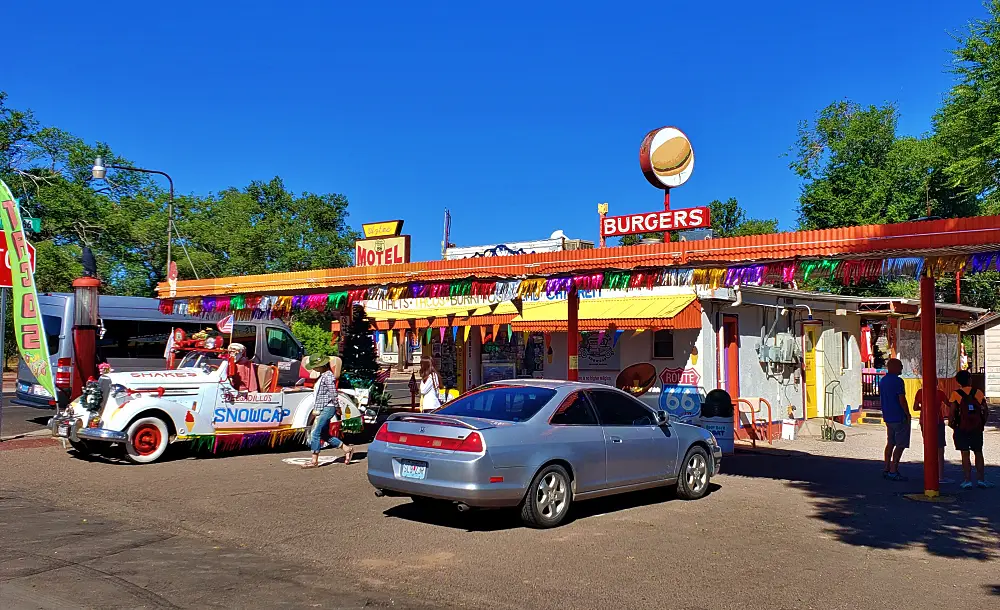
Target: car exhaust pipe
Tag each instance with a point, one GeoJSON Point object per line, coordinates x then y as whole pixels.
{"type": "Point", "coordinates": [379, 493]}
{"type": "Point", "coordinates": [462, 507]}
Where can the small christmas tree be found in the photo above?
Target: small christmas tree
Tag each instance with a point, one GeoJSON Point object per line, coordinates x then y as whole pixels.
{"type": "Point", "coordinates": [357, 349]}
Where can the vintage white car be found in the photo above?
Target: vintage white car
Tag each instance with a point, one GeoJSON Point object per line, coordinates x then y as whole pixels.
{"type": "Point", "coordinates": [147, 410]}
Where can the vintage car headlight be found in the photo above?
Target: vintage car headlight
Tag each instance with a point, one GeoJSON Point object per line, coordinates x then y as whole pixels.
{"type": "Point", "coordinates": [121, 395]}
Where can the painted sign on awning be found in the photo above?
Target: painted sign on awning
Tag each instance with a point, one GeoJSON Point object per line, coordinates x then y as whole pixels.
{"type": "Point", "coordinates": [27, 318]}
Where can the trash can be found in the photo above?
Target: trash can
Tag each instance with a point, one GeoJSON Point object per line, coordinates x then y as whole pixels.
{"type": "Point", "coordinates": [717, 418]}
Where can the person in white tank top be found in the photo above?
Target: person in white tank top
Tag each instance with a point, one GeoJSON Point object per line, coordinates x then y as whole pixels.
{"type": "Point", "coordinates": [430, 383]}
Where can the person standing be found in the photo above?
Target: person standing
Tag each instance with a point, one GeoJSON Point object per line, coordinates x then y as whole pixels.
{"type": "Point", "coordinates": [896, 415]}
{"type": "Point", "coordinates": [968, 419]}
{"type": "Point", "coordinates": [430, 383]}
{"type": "Point", "coordinates": [325, 399]}
{"type": "Point", "coordinates": [945, 407]}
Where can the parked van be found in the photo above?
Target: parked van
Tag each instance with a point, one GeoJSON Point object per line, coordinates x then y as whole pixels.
{"type": "Point", "coordinates": [133, 337]}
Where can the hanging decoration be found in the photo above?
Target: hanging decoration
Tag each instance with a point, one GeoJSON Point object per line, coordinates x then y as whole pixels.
{"type": "Point", "coordinates": [246, 307]}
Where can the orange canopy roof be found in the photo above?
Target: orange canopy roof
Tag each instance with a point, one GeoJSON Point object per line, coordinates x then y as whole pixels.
{"type": "Point", "coordinates": [924, 238]}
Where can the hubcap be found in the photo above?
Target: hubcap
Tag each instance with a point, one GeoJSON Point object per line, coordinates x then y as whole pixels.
{"type": "Point", "coordinates": [697, 473]}
{"type": "Point", "coordinates": [552, 495]}
{"type": "Point", "coordinates": [146, 439]}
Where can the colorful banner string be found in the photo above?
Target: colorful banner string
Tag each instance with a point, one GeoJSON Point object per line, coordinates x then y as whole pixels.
{"type": "Point", "coordinates": [785, 272]}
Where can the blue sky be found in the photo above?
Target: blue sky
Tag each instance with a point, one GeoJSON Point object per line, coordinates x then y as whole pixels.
{"type": "Point", "coordinates": [519, 117]}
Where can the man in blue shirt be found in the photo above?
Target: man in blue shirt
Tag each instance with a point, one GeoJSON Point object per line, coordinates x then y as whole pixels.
{"type": "Point", "coordinates": [896, 415]}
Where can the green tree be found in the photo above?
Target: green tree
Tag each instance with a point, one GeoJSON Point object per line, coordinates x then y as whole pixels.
{"type": "Point", "coordinates": [968, 124]}
{"type": "Point", "coordinates": [312, 328]}
{"type": "Point", "coordinates": [856, 171]}
{"type": "Point", "coordinates": [730, 220]}
{"type": "Point", "coordinates": [265, 228]}
{"type": "Point", "coordinates": [358, 350]}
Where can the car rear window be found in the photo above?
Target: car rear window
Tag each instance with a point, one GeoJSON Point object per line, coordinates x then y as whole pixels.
{"type": "Point", "coordinates": [502, 403]}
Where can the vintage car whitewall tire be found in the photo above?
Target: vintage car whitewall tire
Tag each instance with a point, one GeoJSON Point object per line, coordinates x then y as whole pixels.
{"type": "Point", "coordinates": [147, 440]}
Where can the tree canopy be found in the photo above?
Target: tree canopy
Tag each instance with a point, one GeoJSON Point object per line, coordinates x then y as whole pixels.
{"type": "Point", "coordinates": [967, 126]}
{"type": "Point", "coordinates": [260, 228]}
{"type": "Point", "coordinates": [729, 219]}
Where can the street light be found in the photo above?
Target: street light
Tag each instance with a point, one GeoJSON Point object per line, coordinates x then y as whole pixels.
{"type": "Point", "coordinates": [99, 172]}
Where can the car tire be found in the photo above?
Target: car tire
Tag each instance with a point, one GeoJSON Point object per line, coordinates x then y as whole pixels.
{"type": "Point", "coordinates": [548, 499]}
{"type": "Point", "coordinates": [692, 480]}
{"type": "Point", "coordinates": [147, 440]}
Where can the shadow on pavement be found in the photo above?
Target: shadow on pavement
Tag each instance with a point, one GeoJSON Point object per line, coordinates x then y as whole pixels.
{"type": "Point", "coordinates": [109, 454]}
{"type": "Point", "coordinates": [863, 509]}
{"type": "Point", "coordinates": [444, 514]}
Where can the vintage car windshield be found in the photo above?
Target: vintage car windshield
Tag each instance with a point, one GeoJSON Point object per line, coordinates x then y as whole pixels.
{"type": "Point", "coordinates": [197, 360]}
{"type": "Point", "coordinates": [512, 403]}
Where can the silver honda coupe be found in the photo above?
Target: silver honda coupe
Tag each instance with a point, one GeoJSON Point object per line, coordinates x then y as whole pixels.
{"type": "Point", "coordinates": [538, 445]}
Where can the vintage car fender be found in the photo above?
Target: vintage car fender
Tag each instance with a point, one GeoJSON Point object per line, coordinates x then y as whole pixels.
{"type": "Point", "coordinates": [118, 418]}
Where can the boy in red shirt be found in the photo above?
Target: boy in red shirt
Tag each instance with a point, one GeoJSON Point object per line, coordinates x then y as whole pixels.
{"type": "Point", "coordinates": [945, 409]}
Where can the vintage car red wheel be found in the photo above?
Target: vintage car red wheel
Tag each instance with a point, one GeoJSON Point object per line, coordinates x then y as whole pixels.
{"type": "Point", "coordinates": [147, 440]}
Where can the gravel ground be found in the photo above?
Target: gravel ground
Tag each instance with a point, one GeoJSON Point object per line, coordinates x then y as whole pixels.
{"type": "Point", "coordinates": [805, 524]}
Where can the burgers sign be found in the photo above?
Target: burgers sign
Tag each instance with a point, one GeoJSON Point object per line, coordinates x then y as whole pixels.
{"type": "Point", "coordinates": [667, 160]}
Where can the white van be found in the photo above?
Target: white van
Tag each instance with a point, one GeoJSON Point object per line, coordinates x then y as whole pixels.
{"type": "Point", "coordinates": [134, 336]}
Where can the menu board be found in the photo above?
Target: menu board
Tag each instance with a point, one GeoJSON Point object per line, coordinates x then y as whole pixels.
{"type": "Point", "coordinates": [909, 349]}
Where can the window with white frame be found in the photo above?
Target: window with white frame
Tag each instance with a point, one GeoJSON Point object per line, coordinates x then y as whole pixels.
{"type": "Point", "coordinates": [845, 351]}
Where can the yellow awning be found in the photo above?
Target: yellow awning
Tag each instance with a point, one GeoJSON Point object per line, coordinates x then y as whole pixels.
{"type": "Point", "coordinates": [672, 311]}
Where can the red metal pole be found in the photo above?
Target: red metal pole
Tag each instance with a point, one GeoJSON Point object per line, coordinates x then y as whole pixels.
{"type": "Point", "coordinates": [573, 334]}
{"type": "Point", "coordinates": [958, 287]}
{"type": "Point", "coordinates": [666, 198]}
{"type": "Point", "coordinates": [932, 410]}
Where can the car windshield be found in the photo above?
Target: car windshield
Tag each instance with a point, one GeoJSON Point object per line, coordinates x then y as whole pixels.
{"type": "Point", "coordinates": [503, 403]}
{"type": "Point", "coordinates": [197, 360]}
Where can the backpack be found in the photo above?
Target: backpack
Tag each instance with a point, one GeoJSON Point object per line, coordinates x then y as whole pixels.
{"type": "Point", "coordinates": [968, 414]}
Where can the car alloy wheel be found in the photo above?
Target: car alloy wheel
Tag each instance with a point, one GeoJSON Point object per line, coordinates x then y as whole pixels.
{"type": "Point", "coordinates": [548, 497]}
{"type": "Point", "coordinates": [696, 473]}
{"type": "Point", "coordinates": [551, 496]}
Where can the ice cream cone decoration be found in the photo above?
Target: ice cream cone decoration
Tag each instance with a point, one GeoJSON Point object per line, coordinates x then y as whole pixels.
{"type": "Point", "coordinates": [189, 421]}
{"type": "Point", "coordinates": [694, 356]}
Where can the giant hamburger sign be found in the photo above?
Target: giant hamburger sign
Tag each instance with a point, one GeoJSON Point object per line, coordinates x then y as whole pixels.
{"type": "Point", "coordinates": [666, 157]}
{"type": "Point", "coordinates": [667, 160]}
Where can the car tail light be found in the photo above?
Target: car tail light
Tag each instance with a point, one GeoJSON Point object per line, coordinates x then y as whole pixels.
{"type": "Point", "coordinates": [64, 373]}
{"type": "Point", "coordinates": [473, 443]}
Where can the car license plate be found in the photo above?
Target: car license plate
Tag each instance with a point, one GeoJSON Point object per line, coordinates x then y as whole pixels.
{"type": "Point", "coordinates": [413, 470]}
{"type": "Point", "coordinates": [64, 430]}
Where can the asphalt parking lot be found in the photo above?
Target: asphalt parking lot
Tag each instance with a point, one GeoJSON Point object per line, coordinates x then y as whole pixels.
{"type": "Point", "coordinates": [782, 529]}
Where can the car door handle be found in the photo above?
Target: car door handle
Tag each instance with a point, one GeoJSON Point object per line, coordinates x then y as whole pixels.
{"type": "Point", "coordinates": [615, 439]}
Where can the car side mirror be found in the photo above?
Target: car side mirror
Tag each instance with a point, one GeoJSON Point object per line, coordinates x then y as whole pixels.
{"type": "Point", "coordinates": [662, 419]}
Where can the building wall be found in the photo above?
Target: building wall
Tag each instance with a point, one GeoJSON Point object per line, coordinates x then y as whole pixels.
{"type": "Point", "coordinates": [782, 385]}
{"type": "Point", "coordinates": [992, 338]}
